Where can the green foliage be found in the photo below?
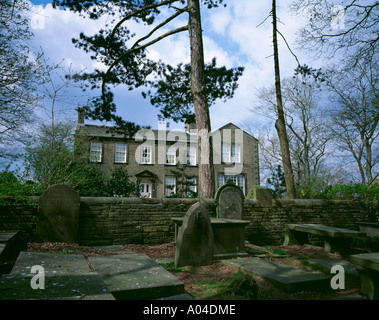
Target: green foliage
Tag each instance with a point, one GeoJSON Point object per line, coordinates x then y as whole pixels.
{"type": "Point", "coordinates": [251, 194]}
{"type": "Point", "coordinates": [51, 158]}
{"type": "Point", "coordinates": [355, 191]}
{"type": "Point", "coordinates": [13, 190]}
{"type": "Point", "coordinates": [184, 184]}
{"type": "Point", "coordinates": [172, 93]}
{"type": "Point", "coordinates": [312, 187]}
{"type": "Point", "coordinates": [277, 181]}
{"type": "Point", "coordinates": [367, 195]}
{"type": "Point", "coordinates": [119, 185]}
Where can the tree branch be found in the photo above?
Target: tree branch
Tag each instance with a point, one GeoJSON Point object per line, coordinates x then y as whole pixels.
{"type": "Point", "coordinates": [136, 12]}
{"type": "Point", "coordinates": [135, 47]}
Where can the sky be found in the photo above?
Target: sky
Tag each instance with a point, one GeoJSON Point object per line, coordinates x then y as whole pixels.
{"type": "Point", "coordinates": [235, 35]}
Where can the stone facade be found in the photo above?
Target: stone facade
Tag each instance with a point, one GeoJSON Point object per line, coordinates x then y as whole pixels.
{"type": "Point", "coordinates": [148, 221]}
{"type": "Point", "coordinates": [146, 156]}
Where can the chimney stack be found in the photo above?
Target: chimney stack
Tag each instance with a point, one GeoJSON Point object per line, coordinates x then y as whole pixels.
{"type": "Point", "coordinates": [81, 115]}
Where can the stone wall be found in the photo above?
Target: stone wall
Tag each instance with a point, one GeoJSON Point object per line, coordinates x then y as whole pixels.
{"type": "Point", "coordinates": [148, 221]}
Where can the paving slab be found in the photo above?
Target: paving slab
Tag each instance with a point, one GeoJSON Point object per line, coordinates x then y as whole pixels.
{"type": "Point", "coordinates": [286, 278]}
{"type": "Point", "coordinates": [136, 276]}
{"type": "Point", "coordinates": [329, 263]}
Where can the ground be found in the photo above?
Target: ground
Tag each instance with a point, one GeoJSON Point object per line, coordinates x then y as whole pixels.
{"type": "Point", "coordinates": [218, 281]}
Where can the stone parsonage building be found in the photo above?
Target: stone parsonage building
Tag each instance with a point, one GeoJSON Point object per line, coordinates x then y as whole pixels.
{"type": "Point", "coordinates": [151, 156]}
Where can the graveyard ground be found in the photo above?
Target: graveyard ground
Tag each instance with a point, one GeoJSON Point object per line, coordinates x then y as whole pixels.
{"type": "Point", "coordinates": [221, 282]}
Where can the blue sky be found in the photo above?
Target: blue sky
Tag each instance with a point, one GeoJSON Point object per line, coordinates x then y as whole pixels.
{"type": "Point", "coordinates": [230, 34]}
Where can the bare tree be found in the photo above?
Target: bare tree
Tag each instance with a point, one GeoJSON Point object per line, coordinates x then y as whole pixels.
{"type": "Point", "coordinates": [349, 28]}
{"type": "Point", "coordinates": [280, 122]}
{"type": "Point", "coordinates": [20, 74]}
{"type": "Point", "coordinates": [306, 126]}
{"type": "Point", "coordinates": [355, 118]}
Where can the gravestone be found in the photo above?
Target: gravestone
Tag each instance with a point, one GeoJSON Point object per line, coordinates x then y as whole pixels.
{"type": "Point", "coordinates": [58, 217]}
{"type": "Point", "coordinates": [194, 244]}
{"type": "Point", "coordinates": [229, 200]}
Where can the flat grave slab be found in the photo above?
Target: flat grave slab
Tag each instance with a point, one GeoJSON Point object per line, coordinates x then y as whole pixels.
{"type": "Point", "coordinates": [329, 263]}
{"type": "Point", "coordinates": [367, 265]}
{"type": "Point", "coordinates": [5, 236]}
{"type": "Point", "coordinates": [366, 260]}
{"type": "Point", "coordinates": [67, 276]}
{"type": "Point", "coordinates": [2, 246]}
{"type": "Point", "coordinates": [286, 278]}
{"type": "Point", "coordinates": [58, 287]}
{"type": "Point", "coordinates": [136, 277]}
{"type": "Point", "coordinates": [322, 230]}
{"type": "Point", "coordinates": [53, 263]}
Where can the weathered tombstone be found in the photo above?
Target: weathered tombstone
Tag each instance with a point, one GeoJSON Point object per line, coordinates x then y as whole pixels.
{"type": "Point", "coordinates": [229, 200]}
{"type": "Point", "coordinates": [58, 218]}
{"type": "Point", "coordinates": [194, 244]}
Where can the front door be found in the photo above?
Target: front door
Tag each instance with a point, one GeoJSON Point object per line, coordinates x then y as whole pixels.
{"type": "Point", "coordinates": [146, 189]}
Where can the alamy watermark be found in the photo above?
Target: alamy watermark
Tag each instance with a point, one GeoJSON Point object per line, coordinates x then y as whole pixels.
{"type": "Point", "coordinates": [38, 19]}
{"type": "Point", "coordinates": [338, 19]}
{"type": "Point", "coordinates": [38, 281]}
{"type": "Point", "coordinates": [227, 145]}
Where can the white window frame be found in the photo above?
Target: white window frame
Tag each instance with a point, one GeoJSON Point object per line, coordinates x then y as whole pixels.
{"type": "Point", "coordinates": [96, 151]}
{"type": "Point", "coordinates": [170, 181]}
{"type": "Point", "coordinates": [171, 155]}
{"type": "Point", "coordinates": [239, 181]}
{"type": "Point", "coordinates": [120, 153]}
{"type": "Point", "coordinates": [191, 155]}
{"type": "Point", "coordinates": [148, 158]}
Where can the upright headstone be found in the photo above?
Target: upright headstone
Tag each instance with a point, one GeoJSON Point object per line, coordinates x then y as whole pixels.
{"type": "Point", "coordinates": [229, 200]}
{"type": "Point", "coordinates": [58, 218]}
{"type": "Point", "coordinates": [194, 244]}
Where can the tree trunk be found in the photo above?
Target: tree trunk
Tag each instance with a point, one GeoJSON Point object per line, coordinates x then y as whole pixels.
{"type": "Point", "coordinates": [205, 150]}
{"type": "Point", "coordinates": [280, 122]}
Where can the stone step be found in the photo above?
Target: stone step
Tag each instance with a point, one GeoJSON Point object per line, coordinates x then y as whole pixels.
{"type": "Point", "coordinates": [136, 276]}
{"type": "Point", "coordinates": [288, 279]}
{"type": "Point", "coordinates": [67, 276]}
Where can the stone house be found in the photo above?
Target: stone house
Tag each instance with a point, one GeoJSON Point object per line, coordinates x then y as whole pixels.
{"type": "Point", "coordinates": [153, 156]}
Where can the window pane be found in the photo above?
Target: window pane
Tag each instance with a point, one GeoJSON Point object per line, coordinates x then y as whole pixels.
{"type": "Point", "coordinates": [192, 186]}
{"type": "Point", "coordinates": [95, 151]}
{"type": "Point", "coordinates": [233, 178]}
{"type": "Point", "coordinates": [170, 155]}
{"type": "Point", "coordinates": [191, 156]}
{"type": "Point", "coordinates": [221, 180]}
{"type": "Point", "coordinates": [170, 186]}
{"type": "Point", "coordinates": [225, 149]}
{"type": "Point", "coordinates": [120, 155]}
{"type": "Point", "coordinates": [146, 154]}
{"type": "Point", "coordinates": [241, 183]}
{"type": "Point", "coordinates": [236, 153]}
